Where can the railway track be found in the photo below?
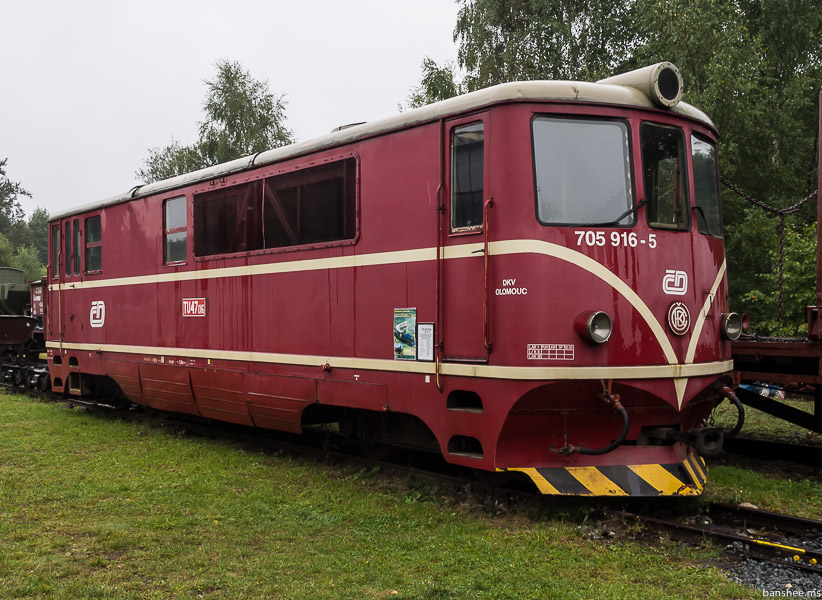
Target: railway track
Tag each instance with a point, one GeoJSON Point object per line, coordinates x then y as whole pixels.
{"type": "Point", "coordinates": [745, 533]}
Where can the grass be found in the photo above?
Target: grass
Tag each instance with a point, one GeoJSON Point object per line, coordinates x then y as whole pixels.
{"type": "Point", "coordinates": [760, 425]}
{"type": "Point", "coordinates": [768, 488]}
{"type": "Point", "coordinates": [779, 487]}
{"type": "Point", "coordinates": [91, 508]}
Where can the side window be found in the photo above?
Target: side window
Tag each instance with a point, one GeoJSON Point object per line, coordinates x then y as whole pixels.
{"type": "Point", "coordinates": [55, 251]}
{"type": "Point", "coordinates": [174, 230]}
{"type": "Point", "coordinates": [67, 256]}
{"type": "Point", "coordinates": [94, 245]}
{"type": "Point", "coordinates": [311, 206]}
{"type": "Point", "coordinates": [76, 248]}
{"type": "Point", "coordinates": [305, 206]}
{"type": "Point", "coordinates": [228, 220]}
{"type": "Point", "coordinates": [706, 187]}
{"type": "Point", "coordinates": [467, 176]}
{"type": "Point", "coordinates": [665, 176]}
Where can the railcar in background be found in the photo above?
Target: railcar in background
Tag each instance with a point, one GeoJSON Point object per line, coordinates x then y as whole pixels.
{"type": "Point", "coordinates": [22, 308]}
{"type": "Point", "coordinates": [528, 278]}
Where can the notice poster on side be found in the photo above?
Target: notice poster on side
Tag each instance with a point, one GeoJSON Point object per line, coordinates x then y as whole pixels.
{"type": "Point", "coordinates": [405, 328]}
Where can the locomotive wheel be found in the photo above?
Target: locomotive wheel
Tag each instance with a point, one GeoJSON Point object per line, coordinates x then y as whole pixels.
{"type": "Point", "coordinates": [44, 385]}
{"type": "Point", "coordinates": [19, 378]}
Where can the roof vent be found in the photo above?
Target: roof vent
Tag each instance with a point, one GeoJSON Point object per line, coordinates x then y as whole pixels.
{"type": "Point", "coordinates": [662, 83]}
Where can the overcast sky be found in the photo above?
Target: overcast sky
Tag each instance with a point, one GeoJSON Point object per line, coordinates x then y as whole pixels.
{"type": "Point", "coordinates": [89, 86]}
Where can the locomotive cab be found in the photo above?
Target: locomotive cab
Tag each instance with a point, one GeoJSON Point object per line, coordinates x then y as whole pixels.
{"type": "Point", "coordinates": [602, 274]}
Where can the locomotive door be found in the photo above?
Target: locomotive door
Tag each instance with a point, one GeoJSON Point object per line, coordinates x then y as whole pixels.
{"type": "Point", "coordinates": [466, 173]}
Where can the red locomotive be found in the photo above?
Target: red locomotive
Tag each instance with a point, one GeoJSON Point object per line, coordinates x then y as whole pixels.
{"type": "Point", "coordinates": [530, 278]}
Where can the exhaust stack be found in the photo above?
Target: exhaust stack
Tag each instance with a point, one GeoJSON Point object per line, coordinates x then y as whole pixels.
{"type": "Point", "coordinates": [661, 82]}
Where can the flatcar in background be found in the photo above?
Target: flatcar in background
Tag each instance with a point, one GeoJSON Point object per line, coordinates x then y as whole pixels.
{"type": "Point", "coordinates": [528, 278]}
{"type": "Point", "coordinates": [22, 309]}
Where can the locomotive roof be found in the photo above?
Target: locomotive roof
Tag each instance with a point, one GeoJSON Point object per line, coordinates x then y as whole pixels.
{"type": "Point", "coordinates": [559, 91]}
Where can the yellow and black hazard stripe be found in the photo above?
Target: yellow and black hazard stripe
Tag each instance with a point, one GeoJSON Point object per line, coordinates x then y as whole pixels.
{"type": "Point", "coordinates": [675, 479]}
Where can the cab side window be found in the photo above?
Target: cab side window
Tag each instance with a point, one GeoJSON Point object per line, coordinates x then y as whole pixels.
{"type": "Point", "coordinates": [665, 176]}
{"type": "Point", "coordinates": [467, 177]}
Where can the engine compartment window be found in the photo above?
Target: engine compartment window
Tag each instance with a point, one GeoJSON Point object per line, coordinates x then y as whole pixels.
{"type": "Point", "coordinates": [94, 245]}
{"type": "Point", "coordinates": [306, 206]}
{"type": "Point", "coordinates": [467, 176]}
{"type": "Point", "coordinates": [566, 153]}
{"type": "Point", "coordinates": [175, 234]}
{"type": "Point", "coordinates": [311, 206]}
{"type": "Point", "coordinates": [228, 220]}
{"type": "Point", "coordinates": [665, 176]}
{"type": "Point", "coordinates": [706, 187]}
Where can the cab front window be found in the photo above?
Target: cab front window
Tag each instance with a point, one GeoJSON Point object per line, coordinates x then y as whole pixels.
{"type": "Point", "coordinates": [582, 171]}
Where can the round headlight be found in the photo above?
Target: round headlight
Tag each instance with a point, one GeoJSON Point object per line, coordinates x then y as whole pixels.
{"type": "Point", "coordinates": [731, 326]}
{"type": "Point", "coordinates": [594, 326]}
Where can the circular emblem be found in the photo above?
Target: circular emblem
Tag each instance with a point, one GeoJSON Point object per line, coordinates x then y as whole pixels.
{"type": "Point", "coordinates": [679, 319]}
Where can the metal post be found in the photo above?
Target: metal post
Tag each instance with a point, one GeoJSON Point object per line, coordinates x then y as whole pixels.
{"type": "Point", "coordinates": [817, 408]}
{"type": "Point", "coordinates": [819, 209]}
{"type": "Point", "coordinates": [814, 316]}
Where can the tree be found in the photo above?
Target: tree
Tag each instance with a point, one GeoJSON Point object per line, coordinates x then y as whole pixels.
{"type": "Point", "coordinates": [39, 227]}
{"type": "Point", "coordinates": [509, 40]}
{"type": "Point", "coordinates": [6, 252]}
{"type": "Point", "coordinates": [11, 212]}
{"type": "Point", "coordinates": [174, 159]}
{"type": "Point", "coordinates": [781, 310]}
{"type": "Point", "coordinates": [26, 259]}
{"type": "Point", "coordinates": [438, 83]}
{"type": "Point", "coordinates": [17, 237]}
{"type": "Point", "coordinates": [242, 117]}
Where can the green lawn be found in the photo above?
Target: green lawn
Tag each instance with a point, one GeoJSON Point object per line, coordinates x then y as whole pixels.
{"type": "Point", "coordinates": [761, 425]}
{"type": "Point", "coordinates": [91, 508]}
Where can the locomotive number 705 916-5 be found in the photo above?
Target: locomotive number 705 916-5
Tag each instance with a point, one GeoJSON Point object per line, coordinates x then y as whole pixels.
{"type": "Point", "coordinates": [617, 238]}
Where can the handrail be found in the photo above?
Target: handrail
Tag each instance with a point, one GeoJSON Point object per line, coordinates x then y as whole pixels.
{"type": "Point", "coordinates": [486, 323]}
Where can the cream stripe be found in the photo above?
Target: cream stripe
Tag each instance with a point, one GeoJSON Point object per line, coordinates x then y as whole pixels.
{"type": "Point", "coordinates": [456, 369]}
{"type": "Point", "coordinates": [427, 254]}
{"type": "Point", "coordinates": [292, 266]}
{"type": "Point", "coordinates": [703, 314]}
{"type": "Point", "coordinates": [405, 256]}
{"type": "Point", "coordinates": [597, 269]}
{"type": "Point", "coordinates": [680, 385]}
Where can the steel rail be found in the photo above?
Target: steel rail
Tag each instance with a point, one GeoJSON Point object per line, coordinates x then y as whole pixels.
{"type": "Point", "coordinates": [762, 549]}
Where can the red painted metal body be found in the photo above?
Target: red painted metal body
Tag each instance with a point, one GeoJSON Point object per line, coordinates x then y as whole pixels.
{"type": "Point", "coordinates": [283, 334]}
